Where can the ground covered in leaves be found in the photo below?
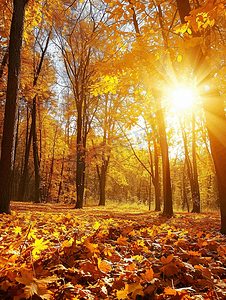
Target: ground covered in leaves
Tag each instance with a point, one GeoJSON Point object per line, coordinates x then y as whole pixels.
{"type": "Point", "coordinates": [56, 252]}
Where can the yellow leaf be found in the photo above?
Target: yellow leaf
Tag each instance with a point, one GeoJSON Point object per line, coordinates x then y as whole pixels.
{"type": "Point", "coordinates": [17, 230]}
{"type": "Point", "coordinates": [135, 288]}
{"type": "Point", "coordinates": [189, 31]}
{"type": "Point", "coordinates": [96, 225]}
{"type": "Point", "coordinates": [179, 58]}
{"type": "Point", "coordinates": [38, 246]}
{"type": "Point", "coordinates": [66, 243]}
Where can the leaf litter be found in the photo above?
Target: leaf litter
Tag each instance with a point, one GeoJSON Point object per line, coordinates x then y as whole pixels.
{"type": "Point", "coordinates": [55, 252]}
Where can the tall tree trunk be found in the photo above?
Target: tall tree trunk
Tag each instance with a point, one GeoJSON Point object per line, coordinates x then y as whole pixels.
{"type": "Point", "coordinates": [51, 167]}
{"type": "Point", "coordinates": [185, 198]}
{"type": "Point", "coordinates": [80, 160]}
{"type": "Point", "coordinates": [15, 43]}
{"type": "Point", "coordinates": [191, 175]}
{"type": "Point", "coordinates": [14, 182]}
{"type": "Point", "coordinates": [102, 174]}
{"type": "Point", "coordinates": [167, 190]}
{"type": "Point", "coordinates": [61, 180]}
{"type": "Point", "coordinates": [216, 125]}
{"type": "Point", "coordinates": [35, 155]}
{"type": "Point", "coordinates": [149, 194]}
{"type": "Point", "coordinates": [157, 179]}
{"type": "Point", "coordinates": [23, 178]}
{"type": "Point", "coordinates": [196, 195]}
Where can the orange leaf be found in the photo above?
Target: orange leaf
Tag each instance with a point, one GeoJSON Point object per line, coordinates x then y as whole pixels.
{"type": "Point", "coordinates": [169, 291]}
{"type": "Point", "coordinates": [148, 275]}
{"type": "Point", "coordinates": [169, 270]}
{"type": "Point", "coordinates": [104, 266]}
{"type": "Point", "coordinates": [166, 260]}
{"type": "Point", "coordinates": [122, 241]}
{"type": "Point", "coordinates": [131, 267]}
{"type": "Point", "coordinates": [91, 247]}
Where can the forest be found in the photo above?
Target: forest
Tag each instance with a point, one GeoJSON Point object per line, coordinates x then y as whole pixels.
{"type": "Point", "coordinates": [112, 117]}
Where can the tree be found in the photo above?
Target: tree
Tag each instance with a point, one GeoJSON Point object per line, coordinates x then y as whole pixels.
{"type": "Point", "coordinates": [77, 52]}
{"type": "Point", "coordinates": [167, 189]}
{"type": "Point", "coordinates": [213, 106]}
{"type": "Point", "coordinates": [15, 44]}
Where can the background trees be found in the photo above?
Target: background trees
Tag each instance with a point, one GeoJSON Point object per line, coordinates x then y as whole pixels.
{"type": "Point", "coordinates": [98, 78]}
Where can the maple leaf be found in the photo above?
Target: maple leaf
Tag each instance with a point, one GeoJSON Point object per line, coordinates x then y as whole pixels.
{"type": "Point", "coordinates": [122, 241]}
{"type": "Point", "coordinates": [90, 246]}
{"type": "Point", "coordinates": [39, 245]}
{"type": "Point", "coordinates": [17, 230]}
{"type": "Point", "coordinates": [169, 269]}
{"type": "Point", "coordinates": [135, 288]}
{"type": "Point", "coordinates": [96, 225]}
{"type": "Point", "coordinates": [148, 275]}
{"type": "Point", "coordinates": [166, 260]}
{"type": "Point", "coordinates": [32, 285]}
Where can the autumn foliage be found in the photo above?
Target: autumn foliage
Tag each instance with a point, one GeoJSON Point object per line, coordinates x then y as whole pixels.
{"type": "Point", "coordinates": [55, 253]}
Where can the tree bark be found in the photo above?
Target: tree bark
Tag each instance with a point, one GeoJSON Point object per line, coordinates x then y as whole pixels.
{"type": "Point", "coordinates": [196, 195]}
{"type": "Point", "coordinates": [156, 180]}
{"type": "Point", "coordinates": [35, 155]}
{"type": "Point", "coordinates": [13, 182]}
{"type": "Point", "coordinates": [80, 160]}
{"type": "Point", "coordinates": [24, 174]}
{"type": "Point", "coordinates": [102, 174]}
{"type": "Point", "coordinates": [216, 125]}
{"type": "Point", "coordinates": [15, 43]}
{"type": "Point", "coordinates": [167, 189]}
{"type": "Point", "coordinates": [51, 167]}
{"type": "Point", "coordinates": [61, 180]}
{"type": "Point", "coordinates": [192, 172]}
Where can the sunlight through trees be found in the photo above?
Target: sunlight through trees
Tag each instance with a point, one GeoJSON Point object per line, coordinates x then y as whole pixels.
{"type": "Point", "coordinates": [113, 101]}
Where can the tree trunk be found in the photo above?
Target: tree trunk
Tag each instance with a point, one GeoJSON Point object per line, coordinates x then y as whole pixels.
{"type": "Point", "coordinates": [14, 182]}
{"type": "Point", "coordinates": [157, 179]}
{"type": "Point", "coordinates": [24, 174]}
{"type": "Point", "coordinates": [102, 174]}
{"type": "Point", "coordinates": [61, 179]}
{"type": "Point", "coordinates": [167, 190]}
{"type": "Point", "coordinates": [15, 43]}
{"type": "Point", "coordinates": [149, 194]}
{"type": "Point", "coordinates": [80, 163]}
{"type": "Point", "coordinates": [192, 173]}
{"type": "Point", "coordinates": [51, 167]}
{"type": "Point", "coordinates": [184, 192]}
{"type": "Point", "coordinates": [35, 155]}
{"type": "Point", "coordinates": [196, 195]}
{"type": "Point", "coordinates": [216, 125]}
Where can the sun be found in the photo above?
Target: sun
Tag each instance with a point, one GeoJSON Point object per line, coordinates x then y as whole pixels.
{"type": "Point", "coordinates": [183, 99]}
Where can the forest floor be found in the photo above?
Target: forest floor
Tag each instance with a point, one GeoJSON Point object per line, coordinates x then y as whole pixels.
{"type": "Point", "coordinates": [52, 251]}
